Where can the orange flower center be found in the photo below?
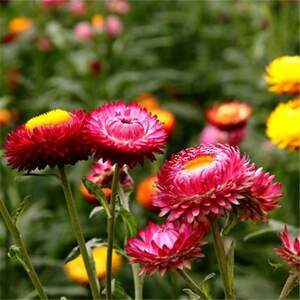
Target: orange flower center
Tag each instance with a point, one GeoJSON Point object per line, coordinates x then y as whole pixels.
{"type": "Point", "coordinates": [199, 162]}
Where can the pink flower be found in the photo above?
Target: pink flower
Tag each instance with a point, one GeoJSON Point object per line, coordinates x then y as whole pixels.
{"type": "Point", "coordinates": [113, 26]}
{"type": "Point", "coordinates": [124, 134]}
{"type": "Point", "coordinates": [290, 252]}
{"type": "Point", "coordinates": [52, 4]}
{"type": "Point", "coordinates": [214, 135]}
{"type": "Point", "coordinates": [165, 247]}
{"type": "Point", "coordinates": [118, 6]}
{"type": "Point", "coordinates": [77, 7]}
{"type": "Point", "coordinates": [208, 179]}
{"type": "Point", "coordinates": [83, 30]}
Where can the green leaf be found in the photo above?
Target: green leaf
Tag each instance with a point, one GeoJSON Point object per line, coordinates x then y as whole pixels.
{"type": "Point", "coordinates": [119, 292]}
{"type": "Point", "coordinates": [191, 294]}
{"type": "Point", "coordinates": [130, 220]}
{"type": "Point", "coordinates": [20, 209]}
{"type": "Point", "coordinates": [96, 210]}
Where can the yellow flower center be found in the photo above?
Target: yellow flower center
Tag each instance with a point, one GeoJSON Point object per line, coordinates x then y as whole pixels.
{"type": "Point", "coordinates": [199, 162]}
{"type": "Point", "coordinates": [51, 118]}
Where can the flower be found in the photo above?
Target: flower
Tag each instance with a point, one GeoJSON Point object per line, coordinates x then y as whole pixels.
{"type": "Point", "coordinates": [44, 44]}
{"type": "Point", "coordinates": [283, 75]}
{"type": "Point", "coordinates": [77, 7]}
{"type": "Point", "coordinates": [118, 6]}
{"type": "Point", "coordinates": [101, 173]}
{"type": "Point", "coordinates": [147, 100]}
{"type": "Point", "coordinates": [19, 25]}
{"type": "Point", "coordinates": [213, 135]}
{"type": "Point", "coordinates": [124, 134]}
{"type": "Point", "coordinates": [75, 268]}
{"type": "Point", "coordinates": [83, 30]}
{"type": "Point", "coordinates": [287, 136]}
{"type": "Point", "coordinates": [165, 247]}
{"type": "Point", "coordinates": [113, 26]}
{"type": "Point", "coordinates": [289, 251]}
{"type": "Point", "coordinates": [98, 22]}
{"type": "Point", "coordinates": [52, 4]}
{"type": "Point", "coordinates": [208, 179]}
{"type": "Point", "coordinates": [229, 115]}
{"type": "Point", "coordinates": [50, 139]}
{"type": "Point", "coordinates": [7, 116]}
{"type": "Point", "coordinates": [145, 191]}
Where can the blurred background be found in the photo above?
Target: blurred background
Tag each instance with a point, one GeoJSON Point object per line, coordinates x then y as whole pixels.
{"type": "Point", "coordinates": [189, 55]}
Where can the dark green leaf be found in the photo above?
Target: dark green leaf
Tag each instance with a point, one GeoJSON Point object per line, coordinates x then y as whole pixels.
{"type": "Point", "coordinates": [130, 220]}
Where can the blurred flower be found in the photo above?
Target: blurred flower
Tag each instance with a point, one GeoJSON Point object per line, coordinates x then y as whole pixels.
{"type": "Point", "coordinates": [75, 268]}
{"type": "Point", "coordinates": [229, 115]}
{"type": "Point", "coordinates": [147, 100]}
{"type": "Point", "coordinates": [289, 251]}
{"type": "Point", "coordinates": [283, 75]}
{"type": "Point", "coordinates": [95, 67]}
{"type": "Point", "coordinates": [118, 6]}
{"type": "Point", "coordinates": [98, 23]}
{"type": "Point", "coordinates": [19, 25]}
{"type": "Point", "coordinates": [283, 127]}
{"type": "Point", "coordinates": [50, 139]}
{"type": "Point", "coordinates": [7, 116]}
{"type": "Point", "coordinates": [77, 7]}
{"type": "Point", "coordinates": [209, 179]}
{"type": "Point", "coordinates": [9, 37]}
{"type": "Point", "coordinates": [213, 135]}
{"type": "Point", "coordinates": [145, 191]}
{"type": "Point", "coordinates": [52, 4]}
{"type": "Point", "coordinates": [165, 247]}
{"type": "Point", "coordinates": [124, 134]}
{"type": "Point", "coordinates": [83, 30]}
{"type": "Point", "coordinates": [13, 78]}
{"type": "Point", "coordinates": [113, 26]}
{"type": "Point", "coordinates": [101, 173]}
{"type": "Point", "coordinates": [44, 44]}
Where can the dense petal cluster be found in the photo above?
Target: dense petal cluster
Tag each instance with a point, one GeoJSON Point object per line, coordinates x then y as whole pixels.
{"type": "Point", "coordinates": [283, 75]}
{"type": "Point", "coordinates": [124, 134]}
{"type": "Point", "coordinates": [165, 247]}
{"type": "Point", "coordinates": [289, 251]}
{"type": "Point", "coordinates": [287, 136]}
{"type": "Point", "coordinates": [208, 179]}
{"type": "Point", "coordinates": [51, 139]}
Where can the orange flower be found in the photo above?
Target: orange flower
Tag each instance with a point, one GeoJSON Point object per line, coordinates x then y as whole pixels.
{"type": "Point", "coordinates": [75, 268]}
{"type": "Point", "coordinates": [98, 22]}
{"type": "Point", "coordinates": [19, 25]}
{"type": "Point", "coordinates": [147, 100]}
{"type": "Point", "coordinates": [90, 197]}
{"type": "Point", "coordinates": [7, 116]}
{"type": "Point", "coordinates": [145, 191]}
{"type": "Point", "coordinates": [166, 117]}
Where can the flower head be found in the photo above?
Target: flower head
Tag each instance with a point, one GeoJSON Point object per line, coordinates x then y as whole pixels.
{"type": "Point", "coordinates": [145, 192]}
{"type": "Point", "coordinates": [289, 251]}
{"type": "Point", "coordinates": [287, 136]}
{"type": "Point", "coordinates": [19, 25]}
{"type": "Point", "coordinates": [147, 100]}
{"type": "Point", "coordinates": [283, 75]}
{"type": "Point", "coordinates": [118, 6]}
{"type": "Point", "coordinates": [75, 268]}
{"type": "Point", "coordinates": [98, 22]}
{"type": "Point", "coordinates": [124, 134]}
{"type": "Point", "coordinates": [51, 139]}
{"type": "Point", "coordinates": [165, 247]}
{"type": "Point", "coordinates": [208, 179]}
{"type": "Point", "coordinates": [83, 30]}
{"type": "Point", "coordinates": [229, 115]}
{"type": "Point", "coordinates": [77, 7]}
{"type": "Point", "coordinates": [113, 26]}
{"type": "Point", "coordinates": [7, 116]}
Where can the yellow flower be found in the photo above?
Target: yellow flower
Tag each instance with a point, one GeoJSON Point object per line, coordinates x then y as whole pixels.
{"type": "Point", "coordinates": [19, 24]}
{"type": "Point", "coordinates": [98, 22]}
{"type": "Point", "coordinates": [283, 75]}
{"type": "Point", "coordinates": [283, 126]}
{"type": "Point", "coordinates": [75, 268]}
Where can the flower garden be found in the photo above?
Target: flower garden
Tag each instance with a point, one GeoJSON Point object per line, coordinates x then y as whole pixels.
{"type": "Point", "coordinates": [149, 149]}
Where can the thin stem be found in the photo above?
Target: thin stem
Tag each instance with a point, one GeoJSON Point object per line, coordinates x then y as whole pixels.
{"type": "Point", "coordinates": [138, 282]}
{"type": "Point", "coordinates": [94, 283]}
{"type": "Point", "coordinates": [292, 281]}
{"type": "Point", "coordinates": [191, 283]}
{"type": "Point", "coordinates": [23, 251]}
{"type": "Point", "coordinates": [222, 261]}
{"type": "Point", "coordinates": [110, 231]}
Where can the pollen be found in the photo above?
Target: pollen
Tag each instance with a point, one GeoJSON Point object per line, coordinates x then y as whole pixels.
{"type": "Point", "coordinates": [199, 162]}
{"type": "Point", "coordinates": [51, 118]}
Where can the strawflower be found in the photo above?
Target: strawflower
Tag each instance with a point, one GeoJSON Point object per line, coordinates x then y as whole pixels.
{"type": "Point", "coordinates": [165, 247]}
{"type": "Point", "coordinates": [124, 134]}
{"type": "Point", "coordinates": [7, 116]}
{"type": "Point", "coordinates": [19, 25]}
{"type": "Point", "coordinates": [113, 26]}
{"type": "Point", "coordinates": [98, 22]}
{"type": "Point", "coordinates": [283, 75]}
{"type": "Point", "coordinates": [118, 6]}
{"type": "Point", "coordinates": [283, 127]}
{"type": "Point", "coordinates": [145, 192]}
{"type": "Point", "coordinates": [83, 30]}
{"type": "Point", "coordinates": [51, 139]}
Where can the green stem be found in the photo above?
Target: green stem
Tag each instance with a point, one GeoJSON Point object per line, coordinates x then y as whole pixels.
{"type": "Point", "coordinates": [225, 271]}
{"type": "Point", "coordinates": [292, 281]}
{"type": "Point", "coordinates": [94, 283]}
{"type": "Point", "coordinates": [110, 231]}
{"type": "Point", "coordinates": [23, 251]}
{"type": "Point", "coordinates": [191, 283]}
{"type": "Point", "coordinates": [138, 282]}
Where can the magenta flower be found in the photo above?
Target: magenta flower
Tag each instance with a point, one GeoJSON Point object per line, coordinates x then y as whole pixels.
{"type": "Point", "coordinates": [124, 134]}
{"type": "Point", "coordinates": [165, 247]}
{"type": "Point", "coordinates": [209, 179]}
{"type": "Point", "coordinates": [290, 252]}
{"type": "Point", "coordinates": [113, 26]}
{"type": "Point", "coordinates": [83, 30]}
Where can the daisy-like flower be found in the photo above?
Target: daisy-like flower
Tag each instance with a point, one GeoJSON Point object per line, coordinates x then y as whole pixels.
{"type": "Point", "coordinates": [51, 139]}
{"type": "Point", "coordinates": [165, 247]}
{"type": "Point", "coordinates": [290, 250]}
{"type": "Point", "coordinates": [208, 179]}
{"type": "Point", "coordinates": [283, 127]}
{"type": "Point", "coordinates": [229, 115]}
{"type": "Point", "coordinates": [124, 134]}
{"type": "Point", "coordinates": [75, 268]}
{"type": "Point", "coordinates": [283, 75]}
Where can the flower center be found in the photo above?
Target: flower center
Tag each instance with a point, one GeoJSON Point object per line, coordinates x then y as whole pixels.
{"type": "Point", "coordinates": [226, 112]}
{"type": "Point", "coordinates": [51, 118]}
{"type": "Point", "coordinates": [199, 162]}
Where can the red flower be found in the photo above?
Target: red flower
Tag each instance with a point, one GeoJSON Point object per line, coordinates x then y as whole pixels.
{"type": "Point", "coordinates": [124, 134]}
{"type": "Point", "coordinates": [290, 252]}
{"type": "Point", "coordinates": [165, 247]}
{"type": "Point", "coordinates": [51, 139]}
